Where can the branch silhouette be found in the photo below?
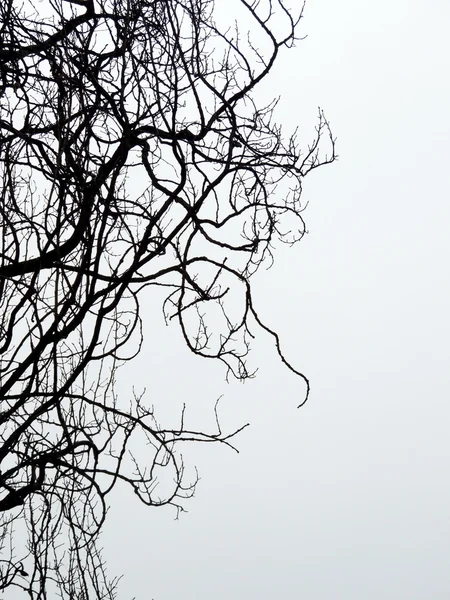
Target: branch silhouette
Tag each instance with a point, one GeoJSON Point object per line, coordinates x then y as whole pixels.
{"type": "Point", "coordinates": [133, 155]}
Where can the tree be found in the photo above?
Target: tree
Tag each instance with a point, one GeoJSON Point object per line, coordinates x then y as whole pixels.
{"type": "Point", "coordinates": [133, 154]}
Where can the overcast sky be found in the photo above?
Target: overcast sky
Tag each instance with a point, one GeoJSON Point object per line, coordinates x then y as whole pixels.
{"type": "Point", "coordinates": [348, 497]}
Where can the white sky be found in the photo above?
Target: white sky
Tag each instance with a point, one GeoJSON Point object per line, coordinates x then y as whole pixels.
{"type": "Point", "coordinates": [348, 497]}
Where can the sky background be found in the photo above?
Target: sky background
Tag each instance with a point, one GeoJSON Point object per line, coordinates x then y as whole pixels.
{"type": "Point", "coordinates": [348, 497]}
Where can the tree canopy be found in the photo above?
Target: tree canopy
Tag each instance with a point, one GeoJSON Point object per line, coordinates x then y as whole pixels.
{"type": "Point", "coordinates": [134, 153]}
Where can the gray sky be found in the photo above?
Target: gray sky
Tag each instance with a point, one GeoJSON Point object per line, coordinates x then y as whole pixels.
{"type": "Point", "coordinates": [348, 497]}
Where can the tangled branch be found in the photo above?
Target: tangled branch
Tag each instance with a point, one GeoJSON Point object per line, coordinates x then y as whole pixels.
{"type": "Point", "coordinates": [133, 154]}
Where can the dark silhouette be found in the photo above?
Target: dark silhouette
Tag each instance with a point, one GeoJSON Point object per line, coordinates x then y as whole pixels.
{"type": "Point", "coordinates": [133, 154]}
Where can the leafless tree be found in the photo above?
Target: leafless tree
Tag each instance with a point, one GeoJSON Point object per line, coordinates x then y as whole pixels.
{"type": "Point", "coordinates": [133, 154]}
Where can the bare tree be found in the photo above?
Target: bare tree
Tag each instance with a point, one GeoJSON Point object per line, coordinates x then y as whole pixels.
{"type": "Point", "coordinates": [133, 154]}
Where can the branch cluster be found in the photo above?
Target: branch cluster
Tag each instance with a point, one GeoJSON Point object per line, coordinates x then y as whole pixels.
{"type": "Point", "coordinates": [132, 154]}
